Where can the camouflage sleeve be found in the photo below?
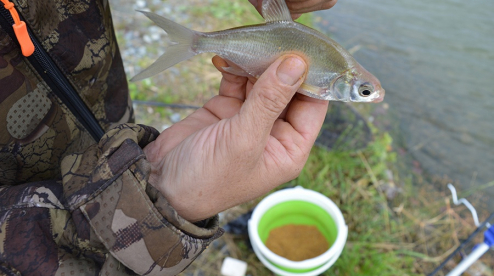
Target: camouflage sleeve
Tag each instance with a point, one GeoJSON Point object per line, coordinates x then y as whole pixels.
{"type": "Point", "coordinates": [102, 216]}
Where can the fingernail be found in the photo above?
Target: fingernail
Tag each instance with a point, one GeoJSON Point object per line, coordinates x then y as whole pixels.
{"type": "Point", "coordinates": [290, 70]}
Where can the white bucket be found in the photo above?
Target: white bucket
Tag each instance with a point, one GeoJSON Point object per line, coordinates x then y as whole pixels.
{"type": "Point", "coordinates": [297, 206]}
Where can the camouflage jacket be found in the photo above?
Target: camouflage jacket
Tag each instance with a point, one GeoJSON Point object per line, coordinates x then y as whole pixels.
{"type": "Point", "coordinates": [70, 205]}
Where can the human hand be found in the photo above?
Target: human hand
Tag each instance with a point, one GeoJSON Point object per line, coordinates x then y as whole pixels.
{"type": "Point", "coordinates": [299, 7]}
{"type": "Point", "coordinates": [244, 142]}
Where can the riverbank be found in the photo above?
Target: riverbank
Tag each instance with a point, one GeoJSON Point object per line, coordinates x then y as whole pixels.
{"type": "Point", "coordinates": [434, 60]}
{"type": "Point", "coordinates": [395, 228]}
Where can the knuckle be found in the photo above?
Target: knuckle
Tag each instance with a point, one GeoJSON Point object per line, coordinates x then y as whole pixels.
{"type": "Point", "coordinates": [273, 100]}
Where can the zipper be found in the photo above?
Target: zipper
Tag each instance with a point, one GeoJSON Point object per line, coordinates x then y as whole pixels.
{"type": "Point", "coordinates": [54, 77]}
{"type": "Point", "coordinates": [20, 29]}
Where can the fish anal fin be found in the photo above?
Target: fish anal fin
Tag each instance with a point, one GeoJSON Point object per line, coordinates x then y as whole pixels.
{"type": "Point", "coordinates": [313, 91]}
{"type": "Point", "coordinates": [275, 10]}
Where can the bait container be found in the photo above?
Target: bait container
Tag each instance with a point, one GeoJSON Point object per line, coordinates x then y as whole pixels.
{"type": "Point", "coordinates": [303, 207]}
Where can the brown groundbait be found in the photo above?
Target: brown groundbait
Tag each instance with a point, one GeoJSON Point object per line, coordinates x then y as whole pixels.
{"type": "Point", "coordinates": [297, 242]}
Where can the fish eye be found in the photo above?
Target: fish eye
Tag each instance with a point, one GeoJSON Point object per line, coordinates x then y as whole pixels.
{"type": "Point", "coordinates": [365, 90]}
{"type": "Point", "coordinates": [365, 93]}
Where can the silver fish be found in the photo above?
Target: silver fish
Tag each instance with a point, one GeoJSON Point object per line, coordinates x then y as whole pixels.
{"type": "Point", "coordinates": [333, 73]}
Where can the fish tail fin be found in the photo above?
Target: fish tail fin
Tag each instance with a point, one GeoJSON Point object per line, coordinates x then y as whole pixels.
{"type": "Point", "coordinates": [177, 32]}
{"type": "Point", "coordinates": [174, 54]}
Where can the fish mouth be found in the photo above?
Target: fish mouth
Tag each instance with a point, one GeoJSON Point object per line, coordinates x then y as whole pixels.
{"type": "Point", "coordinates": [381, 92]}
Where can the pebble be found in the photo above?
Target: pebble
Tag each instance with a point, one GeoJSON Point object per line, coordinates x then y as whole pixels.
{"type": "Point", "coordinates": [175, 118]}
{"type": "Point", "coordinates": [147, 38]}
{"type": "Point", "coordinates": [140, 4]}
{"type": "Point", "coordinates": [155, 37]}
{"type": "Point", "coordinates": [233, 267]}
{"type": "Point", "coordinates": [142, 51]}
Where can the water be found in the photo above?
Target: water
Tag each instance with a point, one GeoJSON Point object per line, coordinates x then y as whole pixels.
{"type": "Point", "coordinates": [436, 61]}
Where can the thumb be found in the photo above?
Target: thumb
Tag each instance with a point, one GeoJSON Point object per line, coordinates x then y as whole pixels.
{"type": "Point", "coordinates": [272, 92]}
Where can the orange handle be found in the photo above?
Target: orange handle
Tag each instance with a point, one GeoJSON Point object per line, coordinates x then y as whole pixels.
{"type": "Point", "coordinates": [27, 46]}
{"type": "Point", "coordinates": [20, 29]}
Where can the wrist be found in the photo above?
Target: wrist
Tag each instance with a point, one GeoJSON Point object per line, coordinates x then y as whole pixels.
{"type": "Point", "coordinates": [155, 173]}
{"type": "Point", "coordinates": [175, 200]}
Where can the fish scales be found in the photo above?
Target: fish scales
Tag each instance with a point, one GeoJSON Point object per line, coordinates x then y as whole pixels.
{"type": "Point", "coordinates": [253, 48]}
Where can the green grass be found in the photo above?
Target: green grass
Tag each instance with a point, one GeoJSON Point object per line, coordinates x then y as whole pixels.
{"type": "Point", "coordinates": [306, 19]}
{"type": "Point", "coordinates": [408, 233]}
{"type": "Point", "coordinates": [405, 234]}
{"type": "Point", "coordinates": [227, 12]}
{"type": "Point", "coordinates": [352, 180]}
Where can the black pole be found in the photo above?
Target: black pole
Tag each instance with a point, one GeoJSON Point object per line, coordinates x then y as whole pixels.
{"type": "Point", "coordinates": [481, 226]}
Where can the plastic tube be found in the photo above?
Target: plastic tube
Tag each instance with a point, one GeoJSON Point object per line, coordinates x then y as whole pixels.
{"type": "Point", "coordinates": [470, 207]}
{"type": "Point", "coordinates": [469, 260]}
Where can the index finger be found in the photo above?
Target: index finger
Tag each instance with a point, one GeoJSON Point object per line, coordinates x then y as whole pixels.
{"type": "Point", "coordinates": [303, 6]}
{"type": "Point", "coordinates": [306, 115]}
{"type": "Point", "coordinates": [231, 85]}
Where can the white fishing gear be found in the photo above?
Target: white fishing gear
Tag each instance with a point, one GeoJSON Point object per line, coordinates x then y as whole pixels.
{"type": "Point", "coordinates": [478, 249]}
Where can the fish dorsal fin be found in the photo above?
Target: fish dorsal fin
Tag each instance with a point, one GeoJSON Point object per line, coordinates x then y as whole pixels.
{"type": "Point", "coordinates": [275, 10]}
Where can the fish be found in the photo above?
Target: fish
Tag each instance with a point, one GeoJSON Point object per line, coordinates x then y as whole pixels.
{"type": "Point", "coordinates": [333, 74]}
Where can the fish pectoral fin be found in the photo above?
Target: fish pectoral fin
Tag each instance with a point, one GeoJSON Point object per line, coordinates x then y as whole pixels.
{"type": "Point", "coordinates": [313, 91]}
{"type": "Point", "coordinates": [275, 10]}
{"type": "Point", "coordinates": [236, 71]}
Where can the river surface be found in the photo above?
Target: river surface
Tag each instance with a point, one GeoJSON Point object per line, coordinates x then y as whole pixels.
{"type": "Point", "coordinates": [436, 61]}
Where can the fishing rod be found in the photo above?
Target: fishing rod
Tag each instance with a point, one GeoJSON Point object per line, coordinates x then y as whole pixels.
{"type": "Point", "coordinates": [479, 249]}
